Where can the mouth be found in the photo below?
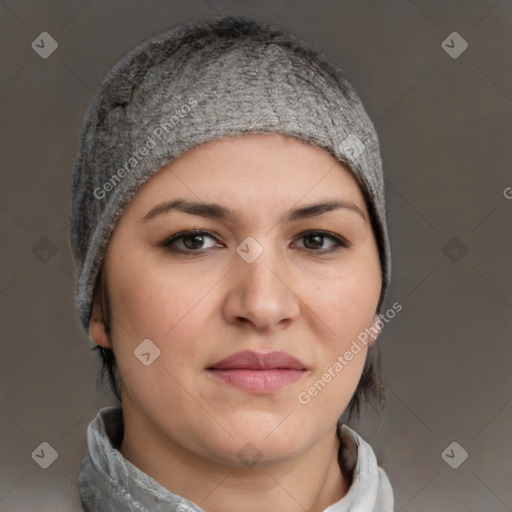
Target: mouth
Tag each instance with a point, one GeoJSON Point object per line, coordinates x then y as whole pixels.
{"type": "Point", "coordinates": [258, 372]}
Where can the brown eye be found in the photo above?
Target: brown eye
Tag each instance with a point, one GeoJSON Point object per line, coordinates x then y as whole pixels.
{"type": "Point", "coordinates": [193, 241]}
{"type": "Point", "coordinates": [189, 241]}
{"type": "Point", "coordinates": [314, 241]}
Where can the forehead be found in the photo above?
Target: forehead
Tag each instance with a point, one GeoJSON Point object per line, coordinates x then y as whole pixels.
{"type": "Point", "coordinates": [255, 171]}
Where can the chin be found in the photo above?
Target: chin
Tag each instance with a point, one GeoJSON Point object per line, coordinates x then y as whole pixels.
{"type": "Point", "coordinates": [251, 453]}
{"type": "Point", "coordinates": [279, 441]}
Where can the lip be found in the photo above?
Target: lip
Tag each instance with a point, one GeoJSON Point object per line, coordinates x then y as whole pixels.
{"type": "Point", "coordinates": [251, 360]}
{"type": "Point", "coordinates": [259, 372]}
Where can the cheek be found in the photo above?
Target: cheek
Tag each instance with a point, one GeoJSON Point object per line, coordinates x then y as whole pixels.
{"type": "Point", "coordinates": [167, 311]}
{"type": "Point", "coordinates": [346, 305]}
{"type": "Point", "coordinates": [156, 304]}
{"type": "Point", "coordinates": [169, 308]}
{"type": "Point", "coordinates": [347, 301]}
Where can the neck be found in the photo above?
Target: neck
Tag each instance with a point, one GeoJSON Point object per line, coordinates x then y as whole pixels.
{"type": "Point", "coordinates": [311, 481]}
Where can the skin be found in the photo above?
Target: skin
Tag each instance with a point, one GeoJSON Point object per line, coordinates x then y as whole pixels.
{"type": "Point", "coordinates": [183, 427]}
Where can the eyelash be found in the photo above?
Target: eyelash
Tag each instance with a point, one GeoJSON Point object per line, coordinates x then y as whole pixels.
{"type": "Point", "coordinates": [339, 242]}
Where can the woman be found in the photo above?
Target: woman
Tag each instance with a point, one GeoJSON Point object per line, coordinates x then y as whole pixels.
{"type": "Point", "coordinates": [229, 230]}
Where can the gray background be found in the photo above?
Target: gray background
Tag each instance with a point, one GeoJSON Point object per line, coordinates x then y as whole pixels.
{"type": "Point", "coordinates": [445, 126]}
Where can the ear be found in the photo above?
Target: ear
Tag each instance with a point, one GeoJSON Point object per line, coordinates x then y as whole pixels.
{"type": "Point", "coordinates": [375, 328]}
{"type": "Point", "coordinates": [97, 327]}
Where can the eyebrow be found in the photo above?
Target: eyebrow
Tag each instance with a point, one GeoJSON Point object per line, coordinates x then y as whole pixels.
{"type": "Point", "coordinates": [219, 212]}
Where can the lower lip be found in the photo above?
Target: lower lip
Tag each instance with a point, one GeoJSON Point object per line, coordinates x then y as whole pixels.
{"type": "Point", "coordinates": [259, 381]}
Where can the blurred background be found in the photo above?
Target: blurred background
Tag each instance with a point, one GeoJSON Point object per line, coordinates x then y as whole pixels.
{"type": "Point", "coordinates": [436, 79]}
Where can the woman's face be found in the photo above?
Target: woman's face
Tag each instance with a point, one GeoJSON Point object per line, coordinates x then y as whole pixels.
{"type": "Point", "coordinates": [271, 270]}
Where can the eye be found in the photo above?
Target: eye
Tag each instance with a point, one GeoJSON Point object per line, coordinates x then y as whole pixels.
{"type": "Point", "coordinates": [314, 240]}
{"type": "Point", "coordinates": [196, 241]}
{"type": "Point", "coordinates": [189, 241]}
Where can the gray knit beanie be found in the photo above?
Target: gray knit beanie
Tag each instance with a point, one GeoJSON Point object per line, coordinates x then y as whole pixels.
{"type": "Point", "coordinates": [205, 80]}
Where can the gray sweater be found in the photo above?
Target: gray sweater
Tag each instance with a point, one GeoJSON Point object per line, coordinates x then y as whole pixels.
{"type": "Point", "coordinates": [111, 483]}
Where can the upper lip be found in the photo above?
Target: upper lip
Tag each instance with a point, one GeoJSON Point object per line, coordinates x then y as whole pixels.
{"type": "Point", "coordinates": [251, 360]}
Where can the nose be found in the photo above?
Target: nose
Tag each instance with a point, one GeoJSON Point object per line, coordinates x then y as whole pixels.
{"type": "Point", "coordinates": [260, 293]}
